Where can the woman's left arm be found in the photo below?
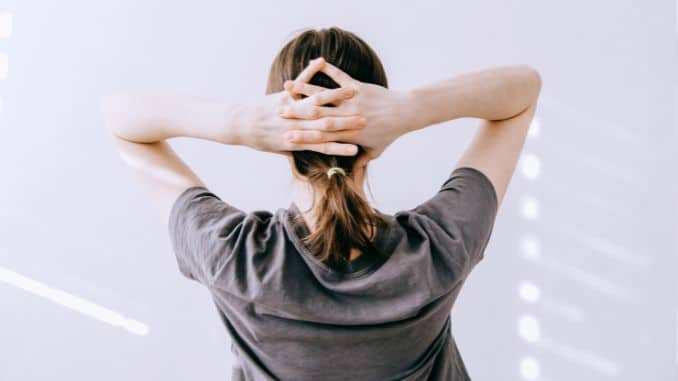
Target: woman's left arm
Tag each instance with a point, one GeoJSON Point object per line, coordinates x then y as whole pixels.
{"type": "Point", "coordinates": [141, 124]}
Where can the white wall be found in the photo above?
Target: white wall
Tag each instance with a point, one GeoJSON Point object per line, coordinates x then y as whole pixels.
{"type": "Point", "coordinates": [72, 218]}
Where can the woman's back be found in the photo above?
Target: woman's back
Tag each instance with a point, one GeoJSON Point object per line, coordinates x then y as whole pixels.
{"type": "Point", "coordinates": [292, 317]}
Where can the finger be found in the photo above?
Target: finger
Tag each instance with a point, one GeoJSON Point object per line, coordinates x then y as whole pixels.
{"type": "Point", "coordinates": [310, 70]}
{"type": "Point", "coordinates": [314, 136]}
{"type": "Point", "coordinates": [329, 148]}
{"type": "Point", "coordinates": [299, 110]}
{"type": "Point", "coordinates": [311, 107]}
{"type": "Point", "coordinates": [343, 79]}
{"type": "Point", "coordinates": [328, 124]}
{"type": "Point", "coordinates": [307, 89]}
{"type": "Point", "coordinates": [330, 96]}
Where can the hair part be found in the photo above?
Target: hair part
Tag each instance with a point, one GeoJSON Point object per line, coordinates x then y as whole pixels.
{"type": "Point", "coordinates": [343, 218]}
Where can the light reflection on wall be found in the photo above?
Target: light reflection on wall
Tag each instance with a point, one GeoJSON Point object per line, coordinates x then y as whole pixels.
{"type": "Point", "coordinates": [529, 292]}
{"type": "Point", "coordinates": [5, 33]}
{"type": "Point", "coordinates": [48, 293]}
{"type": "Point", "coordinates": [676, 328]}
{"type": "Point", "coordinates": [577, 267]}
{"type": "Point", "coordinates": [5, 24]}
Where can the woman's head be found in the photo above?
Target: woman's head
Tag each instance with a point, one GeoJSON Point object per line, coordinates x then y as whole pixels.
{"type": "Point", "coordinates": [343, 218]}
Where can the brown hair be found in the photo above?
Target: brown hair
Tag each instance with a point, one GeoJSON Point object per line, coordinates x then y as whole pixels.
{"type": "Point", "coordinates": [344, 215]}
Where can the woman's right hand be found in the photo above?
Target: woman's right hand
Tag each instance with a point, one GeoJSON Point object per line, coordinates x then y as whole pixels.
{"type": "Point", "coordinates": [385, 111]}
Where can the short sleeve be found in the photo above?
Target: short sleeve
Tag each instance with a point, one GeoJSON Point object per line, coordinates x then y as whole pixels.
{"type": "Point", "coordinates": [203, 231]}
{"type": "Point", "coordinates": [464, 210]}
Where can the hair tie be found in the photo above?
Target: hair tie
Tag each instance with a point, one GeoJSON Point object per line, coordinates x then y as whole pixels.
{"type": "Point", "coordinates": [334, 170]}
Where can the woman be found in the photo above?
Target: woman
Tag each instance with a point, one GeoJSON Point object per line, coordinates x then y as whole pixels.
{"type": "Point", "coordinates": [331, 288]}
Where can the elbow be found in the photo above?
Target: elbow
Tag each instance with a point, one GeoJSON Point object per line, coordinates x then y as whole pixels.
{"type": "Point", "coordinates": [533, 80]}
{"type": "Point", "coordinates": [115, 129]}
{"type": "Point", "coordinates": [115, 110]}
{"type": "Point", "coordinates": [527, 81]}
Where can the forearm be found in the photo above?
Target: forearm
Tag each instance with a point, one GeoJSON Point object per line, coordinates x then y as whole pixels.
{"type": "Point", "coordinates": [494, 94]}
{"type": "Point", "coordinates": [153, 118]}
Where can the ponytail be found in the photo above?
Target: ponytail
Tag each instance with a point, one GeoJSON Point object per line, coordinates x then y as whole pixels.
{"type": "Point", "coordinates": [343, 218]}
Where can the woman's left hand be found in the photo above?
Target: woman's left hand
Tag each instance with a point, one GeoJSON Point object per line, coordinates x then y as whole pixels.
{"type": "Point", "coordinates": [267, 129]}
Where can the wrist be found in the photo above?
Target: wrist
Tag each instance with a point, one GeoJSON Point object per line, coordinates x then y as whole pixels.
{"type": "Point", "coordinates": [235, 119]}
{"type": "Point", "coordinates": [412, 111]}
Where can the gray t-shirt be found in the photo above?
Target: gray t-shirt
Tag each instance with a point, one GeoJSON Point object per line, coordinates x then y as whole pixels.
{"type": "Point", "coordinates": [292, 317]}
